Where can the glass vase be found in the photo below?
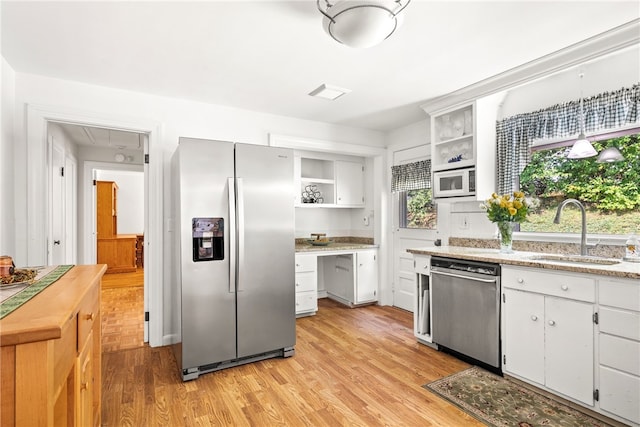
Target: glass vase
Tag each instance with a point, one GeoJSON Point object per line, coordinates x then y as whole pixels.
{"type": "Point", "coordinates": [506, 236]}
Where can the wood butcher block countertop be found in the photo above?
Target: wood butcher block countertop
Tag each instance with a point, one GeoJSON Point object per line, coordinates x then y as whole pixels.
{"type": "Point", "coordinates": [43, 317]}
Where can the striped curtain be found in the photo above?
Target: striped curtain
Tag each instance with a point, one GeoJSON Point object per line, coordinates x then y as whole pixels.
{"type": "Point", "coordinates": [411, 176]}
{"type": "Point", "coordinates": [515, 135]}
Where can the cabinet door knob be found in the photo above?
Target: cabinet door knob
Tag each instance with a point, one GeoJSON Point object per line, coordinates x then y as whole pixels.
{"type": "Point", "coordinates": [84, 386]}
{"type": "Point", "coordinates": [564, 287]}
{"type": "Point", "coordinates": [297, 284]}
{"type": "Point", "coordinates": [90, 316]}
{"type": "Point", "coordinates": [297, 265]}
{"type": "Point", "coordinates": [534, 317]}
{"type": "Point", "coordinates": [552, 322]}
{"type": "Point", "coordinates": [520, 280]}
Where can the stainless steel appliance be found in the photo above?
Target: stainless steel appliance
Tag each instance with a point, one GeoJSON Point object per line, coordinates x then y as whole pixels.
{"type": "Point", "coordinates": [454, 183]}
{"type": "Point", "coordinates": [466, 308]}
{"type": "Point", "coordinates": [234, 216]}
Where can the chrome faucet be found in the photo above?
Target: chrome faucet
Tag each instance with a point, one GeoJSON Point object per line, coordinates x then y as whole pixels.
{"type": "Point", "coordinates": [583, 236]}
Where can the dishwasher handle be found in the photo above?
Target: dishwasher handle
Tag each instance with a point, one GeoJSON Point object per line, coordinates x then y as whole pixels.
{"type": "Point", "coordinates": [462, 276]}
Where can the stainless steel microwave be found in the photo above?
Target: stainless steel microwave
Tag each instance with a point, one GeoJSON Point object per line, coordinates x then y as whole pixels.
{"type": "Point", "coordinates": [454, 183]}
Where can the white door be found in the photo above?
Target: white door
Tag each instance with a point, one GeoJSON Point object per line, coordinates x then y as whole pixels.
{"type": "Point", "coordinates": [57, 238]}
{"type": "Point", "coordinates": [349, 183]}
{"type": "Point", "coordinates": [71, 211]}
{"type": "Point", "coordinates": [366, 276]}
{"type": "Point", "coordinates": [523, 334]}
{"type": "Point", "coordinates": [405, 237]}
{"type": "Point", "coordinates": [569, 332]}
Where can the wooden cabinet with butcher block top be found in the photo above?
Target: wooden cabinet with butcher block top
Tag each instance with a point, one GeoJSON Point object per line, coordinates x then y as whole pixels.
{"type": "Point", "coordinates": [51, 355]}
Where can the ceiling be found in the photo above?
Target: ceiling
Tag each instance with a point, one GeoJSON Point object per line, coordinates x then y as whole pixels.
{"type": "Point", "coordinates": [267, 56]}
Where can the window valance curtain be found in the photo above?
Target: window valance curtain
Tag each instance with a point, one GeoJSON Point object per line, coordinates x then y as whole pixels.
{"type": "Point", "coordinates": [411, 176]}
{"type": "Point", "coordinates": [515, 135]}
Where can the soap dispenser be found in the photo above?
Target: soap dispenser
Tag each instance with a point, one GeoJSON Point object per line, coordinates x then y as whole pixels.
{"type": "Point", "coordinates": [632, 249]}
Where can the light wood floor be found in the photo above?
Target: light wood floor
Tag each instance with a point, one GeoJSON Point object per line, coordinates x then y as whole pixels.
{"type": "Point", "coordinates": [355, 367]}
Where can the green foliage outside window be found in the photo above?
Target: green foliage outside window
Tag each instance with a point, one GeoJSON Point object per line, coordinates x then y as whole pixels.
{"type": "Point", "coordinates": [610, 191]}
{"type": "Point", "coordinates": [421, 211]}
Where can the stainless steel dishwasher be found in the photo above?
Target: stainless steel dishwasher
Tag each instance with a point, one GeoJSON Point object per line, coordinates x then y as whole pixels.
{"type": "Point", "coordinates": [465, 308]}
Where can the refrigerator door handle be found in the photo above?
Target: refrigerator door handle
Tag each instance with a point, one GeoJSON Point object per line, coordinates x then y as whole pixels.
{"type": "Point", "coordinates": [231, 233]}
{"type": "Point", "coordinates": [240, 207]}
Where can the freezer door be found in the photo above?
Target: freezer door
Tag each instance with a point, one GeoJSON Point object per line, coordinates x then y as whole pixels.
{"type": "Point", "coordinates": [208, 298]}
{"type": "Point", "coordinates": [266, 246]}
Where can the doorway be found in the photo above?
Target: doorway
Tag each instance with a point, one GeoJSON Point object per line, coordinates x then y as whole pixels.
{"type": "Point", "coordinates": [118, 156]}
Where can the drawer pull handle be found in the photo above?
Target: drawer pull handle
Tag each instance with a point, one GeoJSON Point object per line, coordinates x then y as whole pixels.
{"type": "Point", "coordinates": [534, 317]}
{"type": "Point", "coordinates": [552, 322]}
{"type": "Point", "coordinates": [520, 280]}
{"type": "Point", "coordinates": [564, 287]}
{"type": "Point", "coordinates": [426, 266]}
{"type": "Point", "coordinates": [90, 316]}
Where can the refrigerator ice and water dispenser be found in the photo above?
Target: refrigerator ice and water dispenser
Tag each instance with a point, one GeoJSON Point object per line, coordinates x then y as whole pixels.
{"type": "Point", "coordinates": [208, 239]}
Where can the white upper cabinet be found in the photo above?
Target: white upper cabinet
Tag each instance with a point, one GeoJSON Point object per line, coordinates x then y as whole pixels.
{"type": "Point", "coordinates": [452, 139]}
{"type": "Point", "coordinates": [327, 183]}
{"type": "Point", "coordinates": [349, 183]}
{"type": "Point", "coordinates": [464, 137]}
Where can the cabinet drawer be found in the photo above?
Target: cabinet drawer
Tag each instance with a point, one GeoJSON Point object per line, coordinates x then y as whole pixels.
{"type": "Point", "coordinates": [620, 394]}
{"type": "Point", "coordinates": [422, 264]}
{"type": "Point", "coordinates": [620, 353]}
{"type": "Point", "coordinates": [305, 263]}
{"type": "Point", "coordinates": [305, 281]}
{"type": "Point", "coordinates": [620, 322]}
{"type": "Point", "coordinates": [556, 284]}
{"type": "Point", "coordinates": [87, 314]}
{"type": "Point", "coordinates": [619, 293]}
{"type": "Point", "coordinates": [306, 301]}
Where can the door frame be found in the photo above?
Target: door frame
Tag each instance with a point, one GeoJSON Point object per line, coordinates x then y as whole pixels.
{"type": "Point", "coordinates": [38, 117]}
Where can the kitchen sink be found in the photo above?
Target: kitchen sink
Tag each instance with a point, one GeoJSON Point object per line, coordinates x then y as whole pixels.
{"type": "Point", "coordinates": [577, 259]}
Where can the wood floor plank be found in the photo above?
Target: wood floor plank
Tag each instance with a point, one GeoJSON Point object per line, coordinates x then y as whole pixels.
{"type": "Point", "coordinates": [352, 367]}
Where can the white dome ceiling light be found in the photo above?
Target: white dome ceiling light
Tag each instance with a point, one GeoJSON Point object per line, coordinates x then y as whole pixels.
{"type": "Point", "coordinates": [361, 24]}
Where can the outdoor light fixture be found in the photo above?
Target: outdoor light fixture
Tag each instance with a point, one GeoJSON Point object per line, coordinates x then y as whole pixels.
{"type": "Point", "coordinates": [582, 148]}
{"type": "Point", "coordinates": [361, 24]}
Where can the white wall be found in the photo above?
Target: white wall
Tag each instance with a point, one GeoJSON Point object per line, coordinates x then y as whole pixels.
{"type": "Point", "coordinates": [608, 74]}
{"type": "Point", "coordinates": [130, 199]}
{"type": "Point", "coordinates": [175, 118]}
{"type": "Point", "coordinates": [7, 207]}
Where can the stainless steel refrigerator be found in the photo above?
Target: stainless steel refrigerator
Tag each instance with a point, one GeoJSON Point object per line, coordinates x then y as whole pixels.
{"type": "Point", "coordinates": [235, 244]}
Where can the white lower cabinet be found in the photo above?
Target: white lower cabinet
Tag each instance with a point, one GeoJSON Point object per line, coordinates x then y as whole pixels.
{"type": "Point", "coordinates": [422, 299]}
{"type": "Point", "coordinates": [619, 348]}
{"type": "Point", "coordinates": [548, 330]}
{"type": "Point", "coordinates": [352, 278]}
{"type": "Point", "coordinates": [366, 289]}
{"type": "Point", "coordinates": [306, 285]}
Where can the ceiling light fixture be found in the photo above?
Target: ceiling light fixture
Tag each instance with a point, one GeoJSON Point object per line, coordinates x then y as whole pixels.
{"type": "Point", "coordinates": [610, 155]}
{"type": "Point", "coordinates": [328, 92]}
{"type": "Point", "coordinates": [361, 24]}
{"type": "Point", "coordinates": [582, 148]}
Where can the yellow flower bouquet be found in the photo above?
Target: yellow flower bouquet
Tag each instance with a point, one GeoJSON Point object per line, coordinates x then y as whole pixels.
{"type": "Point", "coordinates": [506, 210]}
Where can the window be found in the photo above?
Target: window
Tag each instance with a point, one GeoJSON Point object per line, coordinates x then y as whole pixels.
{"type": "Point", "coordinates": [412, 184]}
{"type": "Point", "coordinates": [417, 209]}
{"type": "Point", "coordinates": [609, 191]}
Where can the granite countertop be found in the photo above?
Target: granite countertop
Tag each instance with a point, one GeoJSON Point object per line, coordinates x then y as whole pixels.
{"type": "Point", "coordinates": [624, 269]}
{"type": "Point", "coordinates": [334, 246]}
